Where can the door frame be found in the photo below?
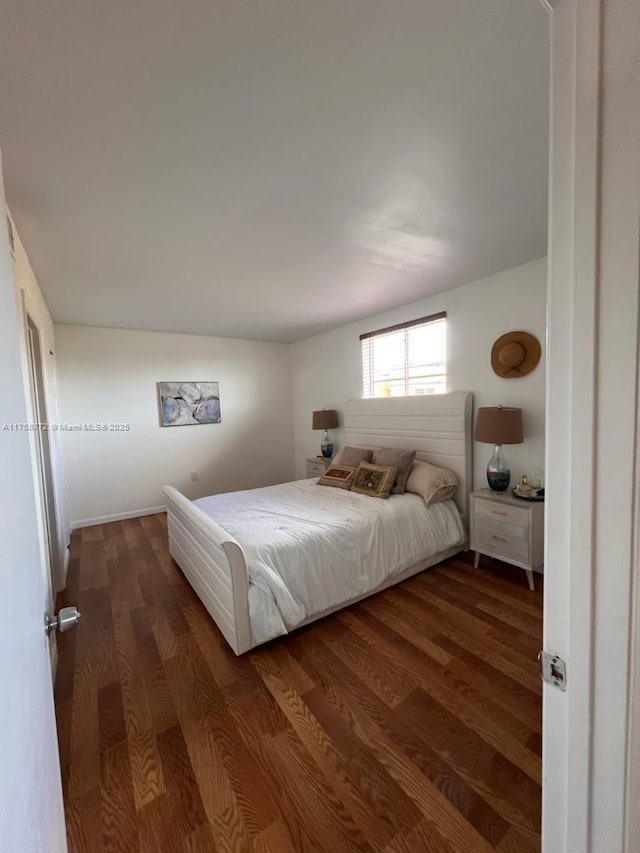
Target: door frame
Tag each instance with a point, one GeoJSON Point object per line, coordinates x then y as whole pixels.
{"type": "Point", "coordinates": [589, 763]}
{"type": "Point", "coordinates": [42, 449]}
{"type": "Point", "coordinates": [632, 826]}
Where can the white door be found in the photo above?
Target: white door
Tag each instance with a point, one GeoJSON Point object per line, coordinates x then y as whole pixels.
{"type": "Point", "coordinates": [31, 811]}
{"type": "Point", "coordinates": [592, 424]}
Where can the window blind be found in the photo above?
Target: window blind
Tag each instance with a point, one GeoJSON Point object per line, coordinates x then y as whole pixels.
{"type": "Point", "coordinates": [406, 359]}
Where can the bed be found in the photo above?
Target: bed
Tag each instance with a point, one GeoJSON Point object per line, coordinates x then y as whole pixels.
{"type": "Point", "coordinates": [267, 561]}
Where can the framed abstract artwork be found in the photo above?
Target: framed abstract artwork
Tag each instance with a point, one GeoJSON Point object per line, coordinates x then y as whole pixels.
{"type": "Point", "coordinates": [189, 403]}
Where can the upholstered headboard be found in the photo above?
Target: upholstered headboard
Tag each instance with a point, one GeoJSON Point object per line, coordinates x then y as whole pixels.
{"type": "Point", "coordinates": [437, 426]}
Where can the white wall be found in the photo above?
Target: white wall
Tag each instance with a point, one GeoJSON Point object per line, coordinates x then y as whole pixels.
{"type": "Point", "coordinates": [110, 375]}
{"type": "Point", "coordinates": [327, 367]}
{"type": "Point", "coordinates": [268, 392]}
{"type": "Point", "coordinates": [29, 295]}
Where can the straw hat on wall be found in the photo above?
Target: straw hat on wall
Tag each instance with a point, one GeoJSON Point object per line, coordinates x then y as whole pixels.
{"type": "Point", "coordinates": [515, 354]}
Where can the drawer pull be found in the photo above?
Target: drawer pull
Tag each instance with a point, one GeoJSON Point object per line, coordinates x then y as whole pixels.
{"type": "Point", "coordinates": [499, 538]}
{"type": "Point", "coordinates": [497, 512]}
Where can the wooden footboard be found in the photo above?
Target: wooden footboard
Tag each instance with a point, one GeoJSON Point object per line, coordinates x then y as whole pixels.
{"type": "Point", "coordinates": [215, 565]}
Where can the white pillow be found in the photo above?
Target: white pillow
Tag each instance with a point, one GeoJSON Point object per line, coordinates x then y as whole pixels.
{"type": "Point", "coordinates": [432, 483]}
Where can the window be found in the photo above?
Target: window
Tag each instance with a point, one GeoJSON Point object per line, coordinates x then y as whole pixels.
{"type": "Point", "coordinates": [407, 359]}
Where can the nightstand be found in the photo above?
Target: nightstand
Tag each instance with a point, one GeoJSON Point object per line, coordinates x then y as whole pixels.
{"type": "Point", "coordinates": [508, 528]}
{"type": "Point", "coordinates": [316, 469]}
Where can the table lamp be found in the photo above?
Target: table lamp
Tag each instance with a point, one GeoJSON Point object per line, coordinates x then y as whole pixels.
{"type": "Point", "coordinates": [498, 425]}
{"type": "Point", "coordinates": [325, 419]}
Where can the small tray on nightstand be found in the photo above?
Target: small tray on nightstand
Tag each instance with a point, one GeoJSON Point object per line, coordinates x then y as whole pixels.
{"type": "Point", "coordinates": [536, 498]}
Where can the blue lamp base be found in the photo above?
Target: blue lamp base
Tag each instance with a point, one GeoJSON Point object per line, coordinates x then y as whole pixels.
{"type": "Point", "coordinates": [326, 446]}
{"type": "Point", "coordinates": [498, 472]}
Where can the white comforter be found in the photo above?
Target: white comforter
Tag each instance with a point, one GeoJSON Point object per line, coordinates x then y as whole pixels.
{"type": "Point", "coordinates": [309, 548]}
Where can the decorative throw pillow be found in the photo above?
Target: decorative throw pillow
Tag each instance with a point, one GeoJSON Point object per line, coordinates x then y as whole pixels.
{"type": "Point", "coordinates": [340, 476]}
{"type": "Point", "coordinates": [397, 458]}
{"type": "Point", "coordinates": [374, 480]}
{"type": "Point", "coordinates": [431, 482]}
{"type": "Point", "coordinates": [353, 456]}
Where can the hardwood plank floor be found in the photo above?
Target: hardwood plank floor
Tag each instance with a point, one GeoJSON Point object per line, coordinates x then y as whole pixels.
{"type": "Point", "coordinates": [408, 722]}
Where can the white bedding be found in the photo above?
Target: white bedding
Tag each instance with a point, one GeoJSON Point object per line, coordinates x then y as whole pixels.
{"type": "Point", "coordinates": [310, 548]}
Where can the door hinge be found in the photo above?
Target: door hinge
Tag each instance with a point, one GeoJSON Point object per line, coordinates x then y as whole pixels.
{"type": "Point", "coordinates": [553, 669]}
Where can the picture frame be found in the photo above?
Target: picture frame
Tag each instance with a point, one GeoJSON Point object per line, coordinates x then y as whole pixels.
{"type": "Point", "coordinates": [189, 403]}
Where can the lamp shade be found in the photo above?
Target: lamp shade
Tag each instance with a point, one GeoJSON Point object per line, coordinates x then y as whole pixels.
{"type": "Point", "coordinates": [499, 425]}
{"type": "Point", "coordinates": [325, 419]}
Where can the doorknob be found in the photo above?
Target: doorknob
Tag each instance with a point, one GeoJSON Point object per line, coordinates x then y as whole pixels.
{"type": "Point", "coordinates": [66, 618]}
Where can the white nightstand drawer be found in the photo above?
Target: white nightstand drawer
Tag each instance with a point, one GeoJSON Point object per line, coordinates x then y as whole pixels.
{"type": "Point", "coordinates": [502, 512]}
{"type": "Point", "coordinates": [315, 469]}
{"type": "Point", "coordinates": [509, 541]}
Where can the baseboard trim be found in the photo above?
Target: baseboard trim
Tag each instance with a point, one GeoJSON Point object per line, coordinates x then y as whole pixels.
{"type": "Point", "coordinates": [118, 516]}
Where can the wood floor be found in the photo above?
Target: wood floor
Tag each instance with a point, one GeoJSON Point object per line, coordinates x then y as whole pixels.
{"type": "Point", "coordinates": [409, 722]}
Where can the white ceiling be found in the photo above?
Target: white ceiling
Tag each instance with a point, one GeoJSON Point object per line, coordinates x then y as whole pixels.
{"type": "Point", "coordinates": [270, 168]}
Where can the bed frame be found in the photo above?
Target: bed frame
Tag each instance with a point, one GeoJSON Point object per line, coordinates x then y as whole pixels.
{"type": "Point", "coordinates": [438, 427]}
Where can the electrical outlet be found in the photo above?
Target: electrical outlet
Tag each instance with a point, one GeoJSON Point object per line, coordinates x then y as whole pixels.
{"type": "Point", "coordinates": [194, 476]}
